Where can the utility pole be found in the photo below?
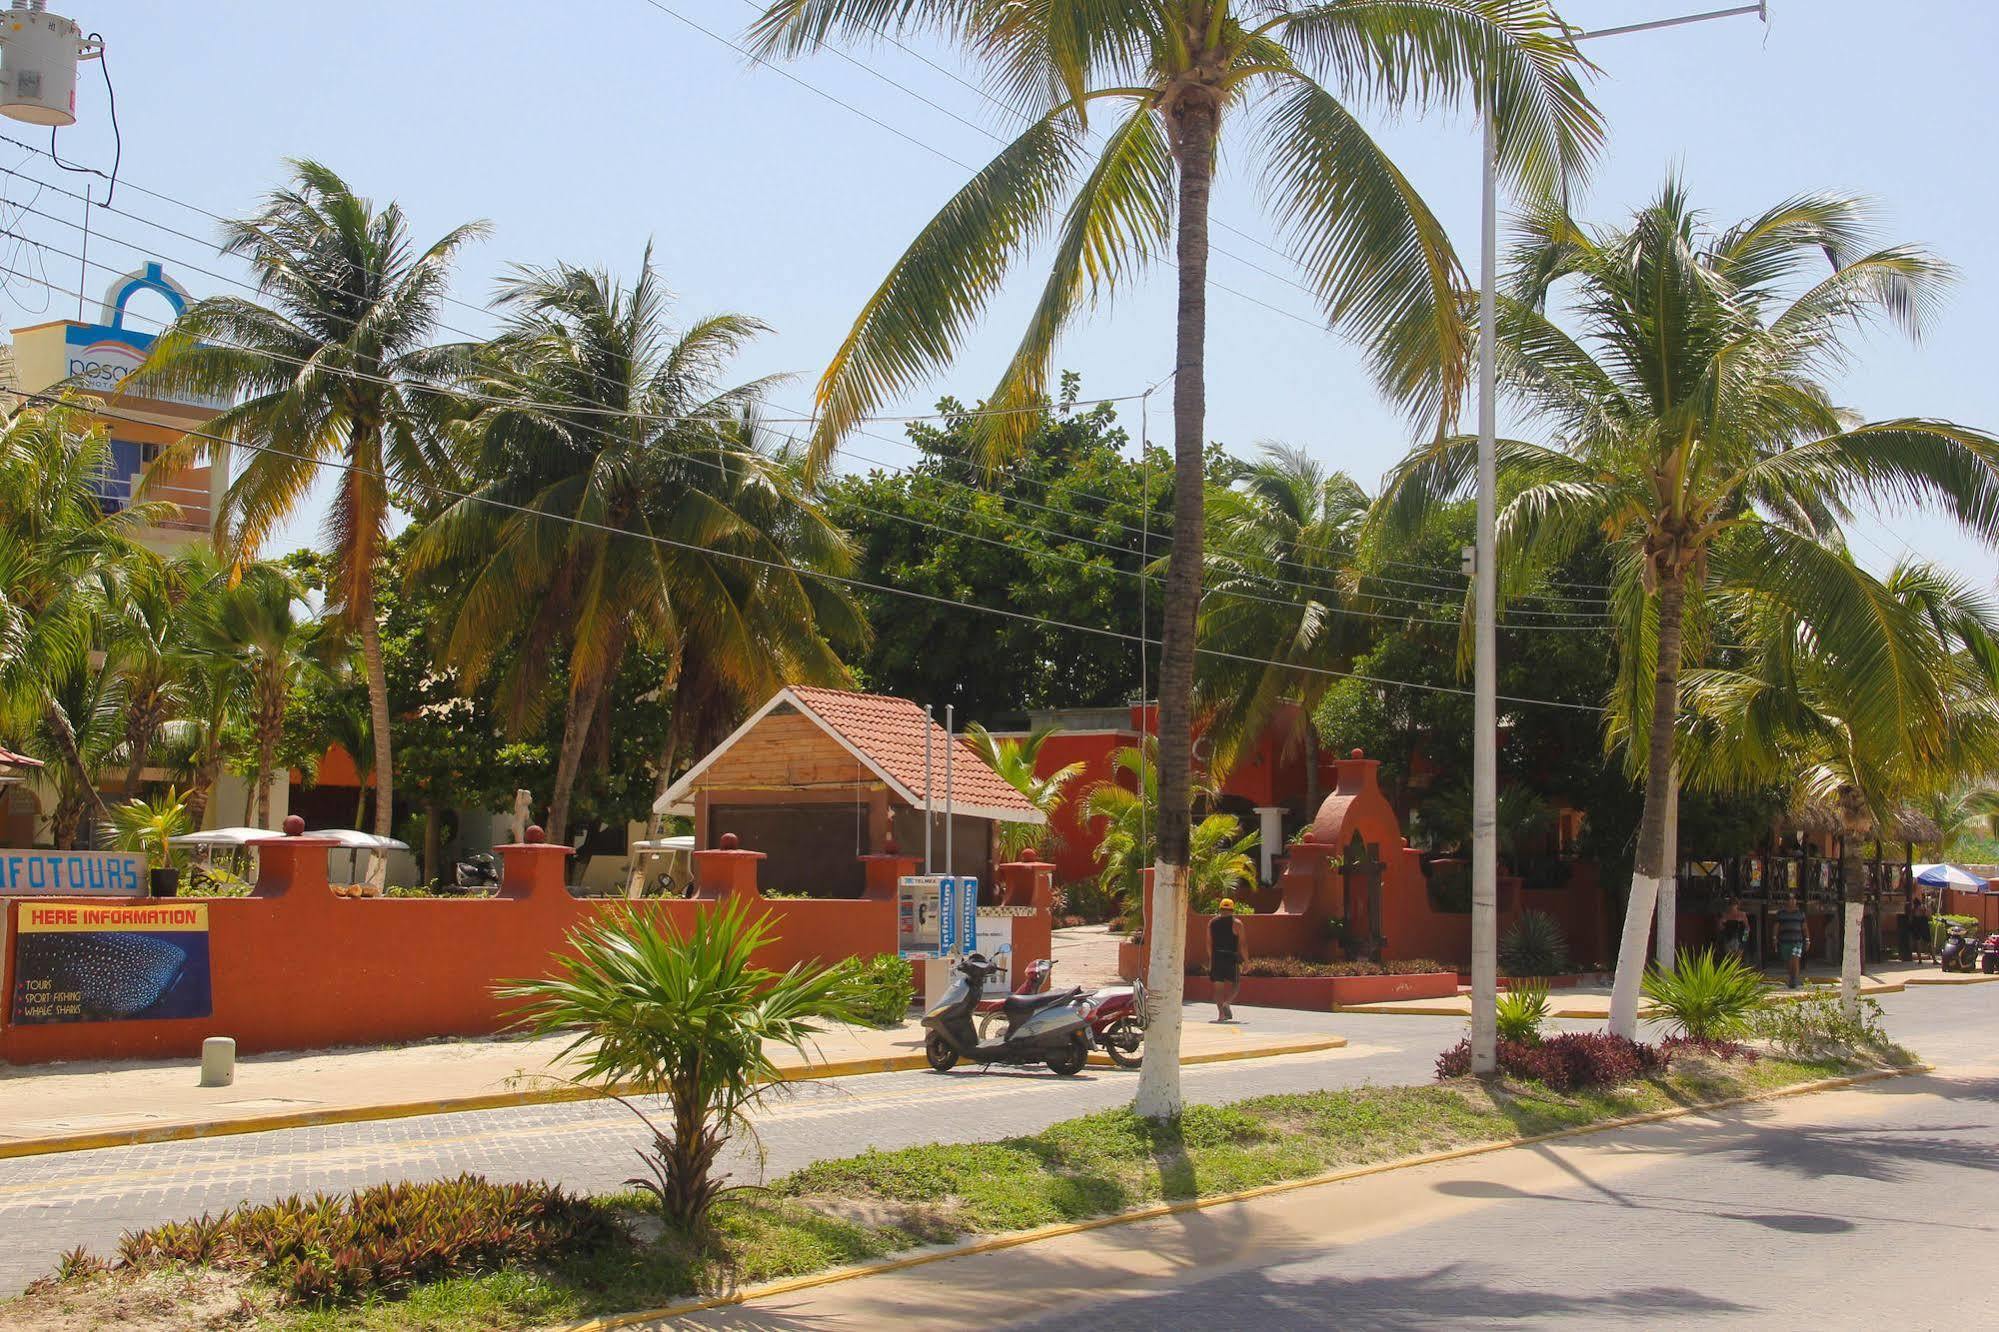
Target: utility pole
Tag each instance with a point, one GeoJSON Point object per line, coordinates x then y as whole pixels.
{"type": "Point", "coordinates": [929, 724]}
{"type": "Point", "coordinates": [1485, 668]}
{"type": "Point", "coordinates": [1485, 664]}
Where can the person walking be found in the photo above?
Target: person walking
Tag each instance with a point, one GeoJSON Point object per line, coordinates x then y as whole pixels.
{"type": "Point", "coordinates": [1226, 955]}
{"type": "Point", "coordinates": [1792, 938]}
{"type": "Point", "coordinates": [1734, 930]}
{"type": "Point", "coordinates": [1915, 922]}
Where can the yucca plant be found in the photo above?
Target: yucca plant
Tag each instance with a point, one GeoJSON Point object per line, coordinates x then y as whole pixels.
{"type": "Point", "coordinates": [1522, 1010]}
{"type": "Point", "coordinates": [1708, 996]}
{"type": "Point", "coordinates": [149, 827]}
{"type": "Point", "coordinates": [688, 1018]}
{"type": "Point", "coordinates": [1534, 947]}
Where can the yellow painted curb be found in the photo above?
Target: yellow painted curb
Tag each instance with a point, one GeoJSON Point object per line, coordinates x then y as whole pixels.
{"type": "Point", "coordinates": [361, 1114]}
{"type": "Point", "coordinates": [1944, 979]}
{"type": "Point", "coordinates": [1017, 1238]}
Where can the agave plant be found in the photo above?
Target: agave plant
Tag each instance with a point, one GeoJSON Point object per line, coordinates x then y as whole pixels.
{"type": "Point", "coordinates": [1534, 947]}
{"type": "Point", "coordinates": [688, 1018]}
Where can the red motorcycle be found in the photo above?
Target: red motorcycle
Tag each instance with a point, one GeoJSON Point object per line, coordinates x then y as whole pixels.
{"type": "Point", "coordinates": [1115, 1014]}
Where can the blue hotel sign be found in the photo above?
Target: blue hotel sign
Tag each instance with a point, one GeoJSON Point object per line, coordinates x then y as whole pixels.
{"type": "Point", "coordinates": [72, 874]}
{"type": "Point", "coordinates": [98, 357]}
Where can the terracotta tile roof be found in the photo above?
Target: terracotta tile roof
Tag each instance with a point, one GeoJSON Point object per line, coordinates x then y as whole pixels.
{"type": "Point", "coordinates": [9, 759]}
{"type": "Point", "coordinates": [889, 731]}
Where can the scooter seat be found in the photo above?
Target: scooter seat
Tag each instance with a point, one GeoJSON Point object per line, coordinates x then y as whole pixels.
{"type": "Point", "coordinates": [1020, 1005]}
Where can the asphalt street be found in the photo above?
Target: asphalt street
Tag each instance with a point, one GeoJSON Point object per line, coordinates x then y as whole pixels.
{"type": "Point", "coordinates": [51, 1203]}
{"type": "Point", "coordinates": [1863, 1209]}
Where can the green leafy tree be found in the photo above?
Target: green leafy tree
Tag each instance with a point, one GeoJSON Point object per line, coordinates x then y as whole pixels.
{"type": "Point", "coordinates": [1172, 74]}
{"type": "Point", "coordinates": [1056, 535]}
{"type": "Point", "coordinates": [690, 1019]}
{"type": "Point", "coordinates": [1691, 423]}
{"type": "Point", "coordinates": [332, 368]}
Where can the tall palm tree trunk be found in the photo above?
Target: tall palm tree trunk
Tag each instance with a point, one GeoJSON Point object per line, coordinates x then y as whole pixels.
{"type": "Point", "coordinates": [140, 727]}
{"type": "Point", "coordinates": [1650, 863]}
{"type": "Point", "coordinates": [89, 802]}
{"type": "Point", "coordinates": [1192, 123]}
{"type": "Point", "coordinates": [270, 721]}
{"type": "Point", "coordinates": [378, 712]}
{"type": "Point", "coordinates": [1858, 822]}
{"type": "Point", "coordinates": [585, 702]}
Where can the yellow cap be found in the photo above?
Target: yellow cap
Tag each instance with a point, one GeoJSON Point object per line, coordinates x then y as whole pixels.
{"type": "Point", "coordinates": [1228, 904]}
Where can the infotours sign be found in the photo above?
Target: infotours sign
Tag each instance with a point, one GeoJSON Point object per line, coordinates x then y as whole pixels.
{"type": "Point", "coordinates": [72, 874]}
{"type": "Point", "coordinates": [105, 962]}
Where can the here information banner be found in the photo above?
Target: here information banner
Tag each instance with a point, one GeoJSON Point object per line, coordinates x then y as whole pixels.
{"type": "Point", "coordinates": [82, 962]}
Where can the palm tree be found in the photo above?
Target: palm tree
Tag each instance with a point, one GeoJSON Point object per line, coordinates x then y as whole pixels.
{"type": "Point", "coordinates": [688, 1018]}
{"type": "Point", "coordinates": [1172, 70]}
{"type": "Point", "coordinates": [260, 627]}
{"type": "Point", "coordinates": [1018, 763]}
{"type": "Point", "coordinates": [1798, 708]}
{"type": "Point", "coordinates": [1221, 859]}
{"type": "Point", "coordinates": [620, 494]}
{"type": "Point", "coordinates": [1280, 554]}
{"type": "Point", "coordinates": [1693, 429]}
{"type": "Point", "coordinates": [1124, 809]}
{"type": "Point", "coordinates": [59, 551]}
{"type": "Point", "coordinates": [755, 624]}
{"type": "Point", "coordinates": [330, 372]}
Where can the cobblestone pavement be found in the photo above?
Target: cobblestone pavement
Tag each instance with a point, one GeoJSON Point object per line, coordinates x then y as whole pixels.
{"type": "Point", "coordinates": [51, 1203]}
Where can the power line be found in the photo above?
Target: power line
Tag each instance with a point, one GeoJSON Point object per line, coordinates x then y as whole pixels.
{"type": "Point", "coordinates": [747, 54]}
{"type": "Point", "coordinates": [1101, 631]}
{"type": "Point", "coordinates": [469, 395]}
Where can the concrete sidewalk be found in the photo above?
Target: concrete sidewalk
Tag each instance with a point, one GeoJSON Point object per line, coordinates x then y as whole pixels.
{"type": "Point", "coordinates": [74, 1107]}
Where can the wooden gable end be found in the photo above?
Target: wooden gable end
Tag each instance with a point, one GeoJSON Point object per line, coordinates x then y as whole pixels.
{"type": "Point", "coordinates": [785, 750]}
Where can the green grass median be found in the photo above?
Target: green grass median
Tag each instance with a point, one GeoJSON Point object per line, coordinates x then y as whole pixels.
{"type": "Point", "coordinates": [618, 1258]}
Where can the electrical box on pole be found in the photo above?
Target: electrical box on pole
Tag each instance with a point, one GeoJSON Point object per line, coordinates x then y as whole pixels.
{"type": "Point", "coordinates": [39, 52]}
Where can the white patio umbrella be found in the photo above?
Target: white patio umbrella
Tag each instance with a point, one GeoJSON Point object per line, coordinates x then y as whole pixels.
{"type": "Point", "coordinates": [221, 837]}
{"type": "Point", "coordinates": [1940, 875]}
{"type": "Point", "coordinates": [356, 841]}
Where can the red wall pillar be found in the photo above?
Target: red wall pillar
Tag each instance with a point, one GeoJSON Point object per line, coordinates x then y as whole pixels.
{"type": "Point", "coordinates": [533, 868]}
{"type": "Point", "coordinates": [882, 873]}
{"type": "Point", "coordinates": [726, 872]}
{"type": "Point", "coordinates": [1028, 881]}
{"type": "Point", "coordinates": [292, 863]}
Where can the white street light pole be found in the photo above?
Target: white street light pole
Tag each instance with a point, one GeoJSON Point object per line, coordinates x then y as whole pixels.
{"type": "Point", "coordinates": [1485, 667]}
{"type": "Point", "coordinates": [1485, 670]}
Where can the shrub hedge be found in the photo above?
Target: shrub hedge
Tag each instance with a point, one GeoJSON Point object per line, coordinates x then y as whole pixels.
{"type": "Point", "coordinates": [1570, 1061]}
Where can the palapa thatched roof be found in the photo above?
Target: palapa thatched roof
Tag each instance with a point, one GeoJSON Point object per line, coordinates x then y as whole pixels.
{"type": "Point", "coordinates": [1820, 818]}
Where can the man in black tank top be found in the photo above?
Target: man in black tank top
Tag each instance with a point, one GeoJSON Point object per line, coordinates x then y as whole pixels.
{"type": "Point", "coordinates": [1225, 958]}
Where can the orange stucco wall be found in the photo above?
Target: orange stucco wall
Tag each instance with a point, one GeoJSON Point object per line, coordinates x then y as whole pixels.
{"type": "Point", "coordinates": [1267, 775]}
{"type": "Point", "coordinates": [298, 968]}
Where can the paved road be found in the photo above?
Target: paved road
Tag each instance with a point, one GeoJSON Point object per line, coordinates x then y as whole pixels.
{"type": "Point", "coordinates": [51, 1203]}
{"type": "Point", "coordinates": [1853, 1210]}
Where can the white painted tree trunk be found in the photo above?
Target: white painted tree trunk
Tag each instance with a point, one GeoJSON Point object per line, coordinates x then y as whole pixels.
{"type": "Point", "coordinates": [1849, 960]}
{"type": "Point", "coordinates": [1165, 990]}
{"type": "Point", "coordinates": [1666, 943]}
{"type": "Point", "coordinates": [1631, 955]}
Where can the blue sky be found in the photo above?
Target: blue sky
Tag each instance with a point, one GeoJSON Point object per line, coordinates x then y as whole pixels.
{"type": "Point", "coordinates": [584, 129]}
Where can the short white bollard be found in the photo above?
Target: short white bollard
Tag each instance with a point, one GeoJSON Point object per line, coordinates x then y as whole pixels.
{"type": "Point", "coordinates": [218, 1061]}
